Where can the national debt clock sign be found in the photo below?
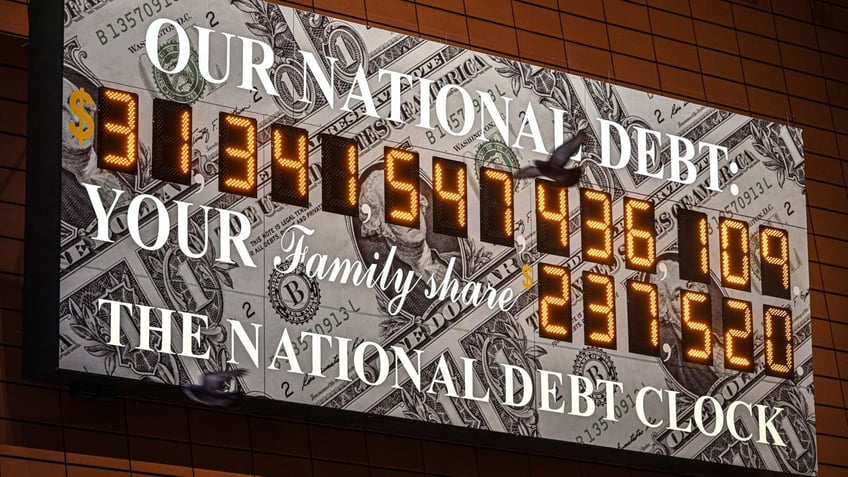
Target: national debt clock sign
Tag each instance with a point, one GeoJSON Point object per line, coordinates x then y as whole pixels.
{"type": "Point", "coordinates": [337, 209]}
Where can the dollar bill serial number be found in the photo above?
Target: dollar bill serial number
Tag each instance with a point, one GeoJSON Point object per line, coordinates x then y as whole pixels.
{"type": "Point", "coordinates": [131, 19]}
{"type": "Point", "coordinates": [334, 321]}
{"type": "Point", "coordinates": [600, 425]}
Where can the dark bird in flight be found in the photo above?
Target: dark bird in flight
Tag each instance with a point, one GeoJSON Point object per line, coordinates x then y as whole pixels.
{"type": "Point", "coordinates": [554, 168]}
{"type": "Point", "coordinates": [213, 391]}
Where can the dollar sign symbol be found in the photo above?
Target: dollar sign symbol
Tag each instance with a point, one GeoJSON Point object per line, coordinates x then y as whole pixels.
{"type": "Point", "coordinates": [528, 279]}
{"type": "Point", "coordinates": [83, 129]}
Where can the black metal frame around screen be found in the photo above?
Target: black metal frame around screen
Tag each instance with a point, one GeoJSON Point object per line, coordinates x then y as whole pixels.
{"type": "Point", "coordinates": [43, 190]}
{"type": "Point", "coordinates": [41, 296]}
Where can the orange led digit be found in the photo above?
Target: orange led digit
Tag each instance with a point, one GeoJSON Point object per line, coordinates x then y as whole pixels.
{"type": "Point", "coordinates": [735, 261]}
{"type": "Point", "coordinates": [238, 156]}
{"type": "Point", "coordinates": [777, 323]}
{"type": "Point", "coordinates": [643, 318]}
{"type": "Point", "coordinates": [693, 243]}
{"type": "Point", "coordinates": [339, 169]}
{"type": "Point", "coordinates": [552, 218]}
{"type": "Point", "coordinates": [697, 327]}
{"type": "Point", "coordinates": [596, 229]}
{"type": "Point", "coordinates": [774, 261]}
{"type": "Point", "coordinates": [289, 165]}
{"type": "Point", "coordinates": [401, 187]}
{"type": "Point", "coordinates": [117, 130]}
{"type": "Point", "coordinates": [496, 224]}
{"type": "Point", "coordinates": [554, 302]}
{"type": "Point", "coordinates": [738, 335]}
{"type": "Point", "coordinates": [640, 235]}
{"type": "Point", "coordinates": [351, 155]}
{"type": "Point", "coordinates": [450, 203]}
{"type": "Point", "coordinates": [599, 310]}
{"type": "Point", "coordinates": [185, 142]}
{"type": "Point", "coordinates": [171, 141]}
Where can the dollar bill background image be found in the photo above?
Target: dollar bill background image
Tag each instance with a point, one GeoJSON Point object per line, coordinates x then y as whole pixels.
{"type": "Point", "coordinates": [97, 52]}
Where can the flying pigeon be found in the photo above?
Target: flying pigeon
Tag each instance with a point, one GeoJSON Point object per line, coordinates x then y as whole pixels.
{"type": "Point", "coordinates": [213, 390]}
{"type": "Point", "coordinates": [554, 167]}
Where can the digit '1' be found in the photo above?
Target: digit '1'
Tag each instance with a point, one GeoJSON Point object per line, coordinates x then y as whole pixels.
{"type": "Point", "coordinates": [171, 141]}
{"type": "Point", "coordinates": [735, 247]}
{"type": "Point", "coordinates": [693, 242]}
{"type": "Point", "coordinates": [340, 167]}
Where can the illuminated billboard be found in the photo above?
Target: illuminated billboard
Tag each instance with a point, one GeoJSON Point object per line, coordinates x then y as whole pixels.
{"type": "Point", "coordinates": [371, 222]}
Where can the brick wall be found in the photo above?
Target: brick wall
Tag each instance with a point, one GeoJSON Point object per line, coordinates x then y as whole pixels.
{"type": "Point", "coordinates": [784, 60]}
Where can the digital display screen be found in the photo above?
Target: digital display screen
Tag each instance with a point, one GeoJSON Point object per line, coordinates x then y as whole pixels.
{"type": "Point", "coordinates": [496, 213]}
{"type": "Point", "coordinates": [117, 130]}
{"type": "Point", "coordinates": [362, 247]}
{"type": "Point", "coordinates": [402, 190]}
{"type": "Point", "coordinates": [171, 141]}
{"type": "Point", "coordinates": [450, 198]}
{"type": "Point", "coordinates": [552, 217]}
{"type": "Point", "coordinates": [237, 139]}
{"type": "Point", "coordinates": [290, 165]}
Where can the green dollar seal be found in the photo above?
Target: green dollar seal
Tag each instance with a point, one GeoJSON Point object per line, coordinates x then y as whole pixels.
{"type": "Point", "coordinates": [188, 85]}
{"type": "Point", "coordinates": [495, 153]}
